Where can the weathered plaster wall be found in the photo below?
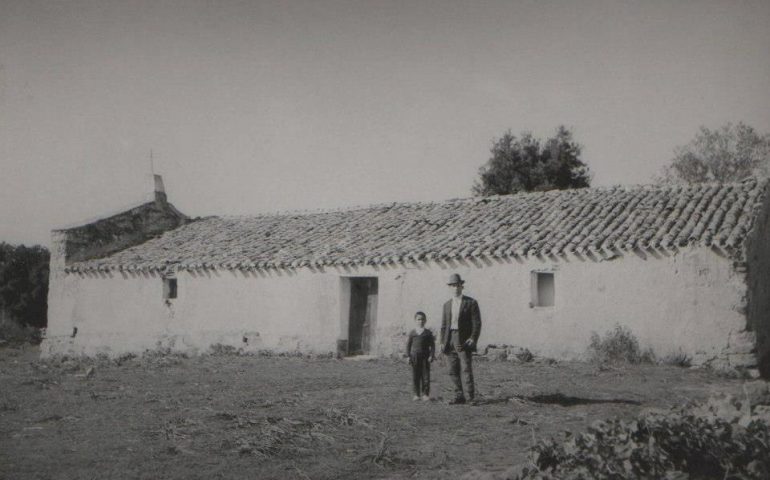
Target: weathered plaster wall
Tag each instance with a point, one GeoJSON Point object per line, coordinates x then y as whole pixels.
{"type": "Point", "coordinates": [758, 273]}
{"type": "Point", "coordinates": [688, 302]}
{"type": "Point", "coordinates": [120, 312]}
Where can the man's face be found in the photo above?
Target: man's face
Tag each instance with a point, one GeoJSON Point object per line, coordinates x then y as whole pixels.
{"type": "Point", "coordinates": [456, 289]}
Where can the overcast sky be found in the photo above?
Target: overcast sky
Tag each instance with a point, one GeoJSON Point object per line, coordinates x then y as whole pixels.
{"type": "Point", "coordinates": [258, 106]}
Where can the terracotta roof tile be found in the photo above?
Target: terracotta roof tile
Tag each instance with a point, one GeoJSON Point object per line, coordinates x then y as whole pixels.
{"type": "Point", "coordinates": [550, 223]}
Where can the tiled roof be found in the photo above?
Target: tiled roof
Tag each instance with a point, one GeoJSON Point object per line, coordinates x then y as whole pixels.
{"type": "Point", "coordinates": [549, 223]}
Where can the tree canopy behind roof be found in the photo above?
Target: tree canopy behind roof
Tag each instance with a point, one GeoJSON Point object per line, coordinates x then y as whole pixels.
{"type": "Point", "coordinates": [727, 154]}
{"type": "Point", "coordinates": [526, 164]}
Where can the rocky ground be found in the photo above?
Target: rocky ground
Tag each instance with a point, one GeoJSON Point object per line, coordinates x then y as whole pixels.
{"type": "Point", "coordinates": [230, 416]}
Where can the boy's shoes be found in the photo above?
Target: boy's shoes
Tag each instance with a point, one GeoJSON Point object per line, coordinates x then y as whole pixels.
{"type": "Point", "coordinates": [457, 401]}
{"type": "Point", "coordinates": [425, 398]}
{"type": "Point", "coordinates": [415, 398]}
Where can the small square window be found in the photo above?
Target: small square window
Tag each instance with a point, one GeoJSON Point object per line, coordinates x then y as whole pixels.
{"type": "Point", "coordinates": [169, 288]}
{"type": "Point", "coordinates": [543, 289]}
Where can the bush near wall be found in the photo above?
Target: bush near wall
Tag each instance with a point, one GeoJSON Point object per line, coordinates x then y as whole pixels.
{"type": "Point", "coordinates": [618, 345]}
{"type": "Point", "coordinates": [24, 285]}
{"type": "Point", "coordinates": [11, 332]}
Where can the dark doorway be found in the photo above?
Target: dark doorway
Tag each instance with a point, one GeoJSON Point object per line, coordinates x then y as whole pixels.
{"type": "Point", "coordinates": [363, 314]}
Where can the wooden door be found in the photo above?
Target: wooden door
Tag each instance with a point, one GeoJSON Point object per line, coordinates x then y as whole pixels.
{"type": "Point", "coordinates": [363, 314]}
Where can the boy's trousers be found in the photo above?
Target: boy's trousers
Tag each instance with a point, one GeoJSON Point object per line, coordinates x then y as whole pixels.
{"type": "Point", "coordinates": [421, 375]}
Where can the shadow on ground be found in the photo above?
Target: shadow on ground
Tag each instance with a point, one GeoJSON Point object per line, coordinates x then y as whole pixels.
{"type": "Point", "coordinates": [569, 401]}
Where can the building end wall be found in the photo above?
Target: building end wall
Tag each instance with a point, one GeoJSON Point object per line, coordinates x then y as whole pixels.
{"type": "Point", "coordinates": [757, 267]}
{"type": "Point", "coordinates": [98, 239]}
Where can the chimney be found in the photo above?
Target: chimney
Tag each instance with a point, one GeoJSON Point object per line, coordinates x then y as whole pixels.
{"type": "Point", "coordinates": [160, 192]}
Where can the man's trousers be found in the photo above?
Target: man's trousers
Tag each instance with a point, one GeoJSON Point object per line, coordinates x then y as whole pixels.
{"type": "Point", "coordinates": [460, 360]}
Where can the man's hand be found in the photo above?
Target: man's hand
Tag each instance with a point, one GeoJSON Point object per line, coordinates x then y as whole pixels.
{"type": "Point", "coordinates": [469, 343]}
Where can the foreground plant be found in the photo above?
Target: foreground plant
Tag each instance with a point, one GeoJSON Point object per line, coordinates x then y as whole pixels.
{"type": "Point", "coordinates": [721, 439]}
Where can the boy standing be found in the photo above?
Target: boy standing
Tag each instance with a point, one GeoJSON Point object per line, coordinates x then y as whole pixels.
{"type": "Point", "coordinates": [421, 348]}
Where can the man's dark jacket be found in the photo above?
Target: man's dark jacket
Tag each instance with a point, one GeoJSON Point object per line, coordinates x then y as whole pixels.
{"type": "Point", "coordinates": [468, 323]}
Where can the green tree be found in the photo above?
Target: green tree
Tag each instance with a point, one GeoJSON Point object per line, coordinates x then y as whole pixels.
{"type": "Point", "coordinates": [24, 283]}
{"type": "Point", "coordinates": [726, 154]}
{"type": "Point", "coordinates": [526, 164]}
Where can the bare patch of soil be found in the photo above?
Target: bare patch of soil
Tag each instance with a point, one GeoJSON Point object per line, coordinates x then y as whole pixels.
{"type": "Point", "coordinates": [229, 416]}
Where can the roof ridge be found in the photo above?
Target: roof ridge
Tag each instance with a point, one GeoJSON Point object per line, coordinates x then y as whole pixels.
{"type": "Point", "coordinates": [149, 198]}
{"type": "Point", "coordinates": [342, 209]}
{"type": "Point", "coordinates": [483, 199]}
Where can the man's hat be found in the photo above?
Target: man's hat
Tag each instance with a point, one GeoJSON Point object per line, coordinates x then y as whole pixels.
{"type": "Point", "coordinates": [455, 279]}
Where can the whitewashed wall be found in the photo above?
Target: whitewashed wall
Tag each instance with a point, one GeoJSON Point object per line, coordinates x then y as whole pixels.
{"type": "Point", "coordinates": [689, 302]}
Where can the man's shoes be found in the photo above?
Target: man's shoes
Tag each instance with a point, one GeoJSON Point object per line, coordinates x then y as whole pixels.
{"type": "Point", "coordinates": [415, 398]}
{"type": "Point", "coordinates": [425, 398]}
{"type": "Point", "coordinates": [457, 401]}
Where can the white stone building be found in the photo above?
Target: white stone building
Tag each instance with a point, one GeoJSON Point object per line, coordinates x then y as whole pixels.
{"type": "Point", "coordinates": [685, 268]}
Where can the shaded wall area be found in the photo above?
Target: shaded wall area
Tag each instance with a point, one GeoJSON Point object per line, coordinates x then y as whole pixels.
{"type": "Point", "coordinates": [117, 232]}
{"type": "Point", "coordinates": [757, 266]}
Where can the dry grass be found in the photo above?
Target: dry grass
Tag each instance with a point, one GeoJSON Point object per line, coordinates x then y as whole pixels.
{"type": "Point", "coordinates": [235, 416]}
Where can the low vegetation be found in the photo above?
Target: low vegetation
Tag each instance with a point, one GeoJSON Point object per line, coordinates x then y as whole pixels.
{"type": "Point", "coordinates": [722, 439]}
{"type": "Point", "coordinates": [619, 345]}
{"type": "Point", "coordinates": [677, 359]}
{"type": "Point", "coordinates": [13, 333]}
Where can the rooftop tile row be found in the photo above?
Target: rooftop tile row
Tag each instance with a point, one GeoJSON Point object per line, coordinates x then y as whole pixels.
{"type": "Point", "coordinates": [526, 224]}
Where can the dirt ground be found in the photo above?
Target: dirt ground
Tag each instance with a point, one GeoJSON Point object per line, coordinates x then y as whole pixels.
{"type": "Point", "coordinates": [229, 416]}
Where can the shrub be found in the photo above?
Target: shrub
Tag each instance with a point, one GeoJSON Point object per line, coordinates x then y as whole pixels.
{"type": "Point", "coordinates": [678, 359]}
{"type": "Point", "coordinates": [13, 333]}
{"type": "Point", "coordinates": [618, 345]}
{"type": "Point", "coordinates": [684, 443]}
{"type": "Point", "coordinates": [291, 354]}
{"type": "Point", "coordinates": [222, 349]}
{"type": "Point", "coordinates": [647, 356]}
{"type": "Point", "coordinates": [24, 284]}
{"type": "Point", "coordinates": [162, 357]}
{"type": "Point", "coordinates": [123, 358]}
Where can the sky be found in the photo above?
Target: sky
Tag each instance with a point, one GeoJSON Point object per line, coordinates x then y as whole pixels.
{"type": "Point", "coordinates": [262, 106]}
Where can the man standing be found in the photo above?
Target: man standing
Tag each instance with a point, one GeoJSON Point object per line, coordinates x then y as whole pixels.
{"type": "Point", "coordinates": [460, 329]}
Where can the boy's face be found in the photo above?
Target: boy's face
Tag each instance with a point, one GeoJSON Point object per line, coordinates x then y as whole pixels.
{"type": "Point", "coordinates": [420, 321]}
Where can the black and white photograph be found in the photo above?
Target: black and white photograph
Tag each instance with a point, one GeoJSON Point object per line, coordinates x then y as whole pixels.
{"type": "Point", "coordinates": [385, 239]}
